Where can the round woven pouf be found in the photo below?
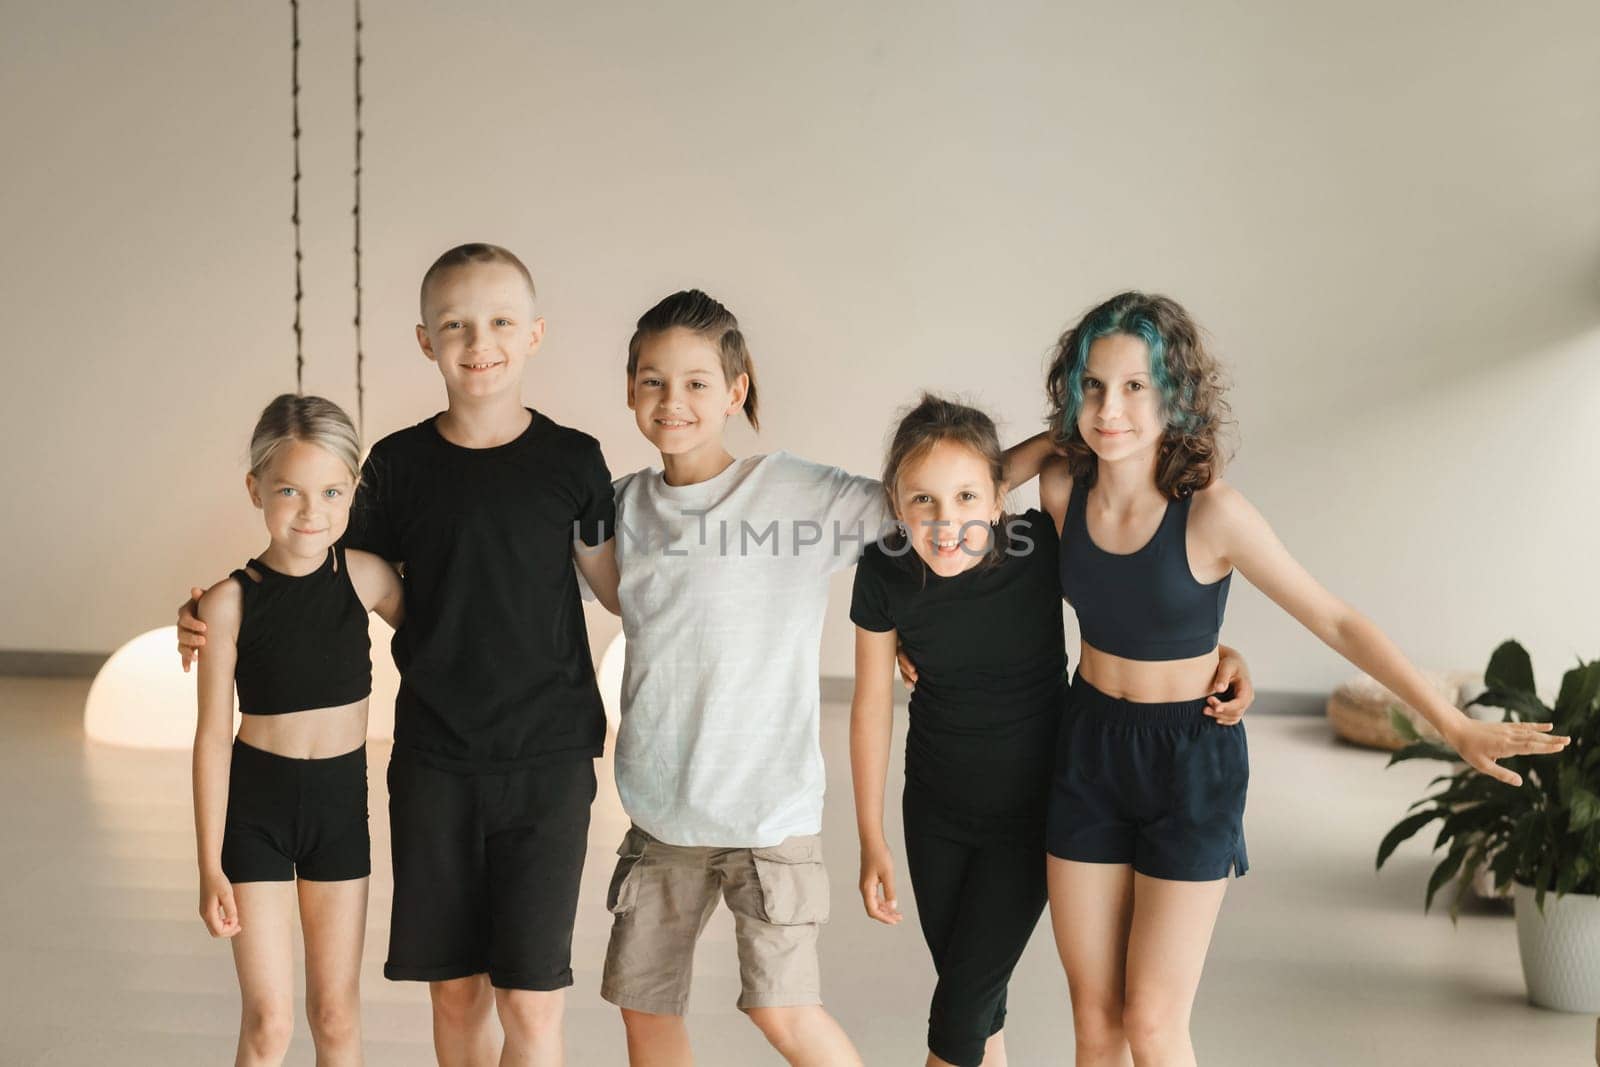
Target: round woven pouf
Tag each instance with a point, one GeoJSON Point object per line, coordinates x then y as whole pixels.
{"type": "Point", "coordinates": [1359, 708]}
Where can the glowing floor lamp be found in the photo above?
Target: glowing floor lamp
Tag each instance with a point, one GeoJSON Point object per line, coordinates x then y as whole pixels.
{"type": "Point", "coordinates": [141, 698]}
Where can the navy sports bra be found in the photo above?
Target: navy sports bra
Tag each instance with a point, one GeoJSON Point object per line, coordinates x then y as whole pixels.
{"type": "Point", "coordinates": [1145, 605]}
{"type": "Point", "coordinates": [302, 640]}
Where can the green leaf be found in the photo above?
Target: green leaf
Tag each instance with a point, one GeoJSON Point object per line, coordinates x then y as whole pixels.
{"type": "Point", "coordinates": [1401, 723]}
{"type": "Point", "coordinates": [1469, 820]}
{"type": "Point", "coordinates": [1580, 694]}
{"type": "Point", "coordinates": [1509, 668]}
{"type": "Point", "coordinates": [1583, 808]}
{"type": "Point", "coordinates": [1423, 750]}
{"type": "Point", "coordinates": [1469, 868]}
{"type": "Point", "coordinates": [1566, 878]}
{"type": "Point", "coordinates": [1404, 829]}
{"type": "Point", "coordinates": [1541, 882]}
{"type": "Point", "coordinates": [1444, 872]}
{"type": "Point", "coordinates": [1504, 866]}
{"type": "Point", "coordinates": [1526, 704]}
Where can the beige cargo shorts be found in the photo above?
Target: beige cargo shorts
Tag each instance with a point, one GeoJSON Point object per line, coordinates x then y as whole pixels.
{"type": "Point", "coordinates": [662, 896]}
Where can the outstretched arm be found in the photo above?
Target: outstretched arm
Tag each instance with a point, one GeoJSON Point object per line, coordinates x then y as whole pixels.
{"type": "Point", "coordinates": [1249, 544]}
{"type": "Point", "coordinates": [871, 726]}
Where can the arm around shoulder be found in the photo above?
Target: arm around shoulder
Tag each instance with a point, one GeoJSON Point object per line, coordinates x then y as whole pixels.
{"type": "Point", "coordinates": [378, 584]}
{"type": "Point", "coordinates": [597, 564]}
{"type": "Point", "coordinates": [1055, 488]}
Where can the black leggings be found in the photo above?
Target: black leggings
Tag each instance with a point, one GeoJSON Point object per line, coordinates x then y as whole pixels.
{"type": "Point", "coordinates": [978, 904]}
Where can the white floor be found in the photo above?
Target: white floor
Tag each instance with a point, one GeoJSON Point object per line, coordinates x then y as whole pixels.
{"type": "Point", "coordinates": [1317, 960]}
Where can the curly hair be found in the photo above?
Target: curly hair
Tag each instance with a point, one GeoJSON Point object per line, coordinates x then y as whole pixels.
{"type": "Point", "coordinates": [1189, 378]}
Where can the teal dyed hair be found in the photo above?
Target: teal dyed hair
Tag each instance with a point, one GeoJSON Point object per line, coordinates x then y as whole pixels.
{"type": "Point", "coordinates": [1186, 377]}
{"type": "Point", "coordinates": [1136, 315]}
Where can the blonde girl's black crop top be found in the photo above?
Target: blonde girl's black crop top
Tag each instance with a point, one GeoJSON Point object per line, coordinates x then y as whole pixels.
{"type": "Point", "coordinates": [1144, 605]}
{"type": "Point", "coordinates": [303, 641]}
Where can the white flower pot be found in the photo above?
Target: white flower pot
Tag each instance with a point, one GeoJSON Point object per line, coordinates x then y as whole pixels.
{"type": "Point", "coordinates": [1560, 950]}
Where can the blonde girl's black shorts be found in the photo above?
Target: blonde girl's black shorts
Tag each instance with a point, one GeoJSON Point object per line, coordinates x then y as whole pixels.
{"type": "Point", "coordinates": [289, 817]}
{"type": "Point", "coordinates": [1157, 786]}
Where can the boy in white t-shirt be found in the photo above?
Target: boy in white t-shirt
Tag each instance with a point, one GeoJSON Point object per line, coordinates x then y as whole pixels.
{"type": "Point", "coordinates": [724, 580]}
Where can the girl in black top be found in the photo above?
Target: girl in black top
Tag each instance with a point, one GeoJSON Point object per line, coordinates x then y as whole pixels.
{"type": "Point", "coordinates": [973, 600]}
{"type": "Point", "coordinates": [288, 796]}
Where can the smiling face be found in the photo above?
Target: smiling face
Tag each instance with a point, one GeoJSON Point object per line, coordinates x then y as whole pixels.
{"type": "Point", "coordinates": [480, 328]}
{"type": "Point", "coordinates": [1122, 414]}
{"type": "Point", "coordinates": [304, 495]}
{"type": "Point", "coordinates": [947, 498]}
{"type": "Point", "coordinates": [679, 396]}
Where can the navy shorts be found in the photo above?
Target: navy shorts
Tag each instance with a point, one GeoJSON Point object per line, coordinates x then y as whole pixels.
{"type": "Point", "coordinates": [291, 816]}
{"type": "Point", "coordinates": [1158, 786]}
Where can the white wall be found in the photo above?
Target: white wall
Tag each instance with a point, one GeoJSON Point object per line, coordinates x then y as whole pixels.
{"type": "Point", "coordinates": [1387, 215]}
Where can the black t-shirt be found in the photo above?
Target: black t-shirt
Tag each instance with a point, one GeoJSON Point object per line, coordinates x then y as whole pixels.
{"type": "Point", "coordinates": [990, 653]}
{"type": "Point", "coordinates": [493, 654]}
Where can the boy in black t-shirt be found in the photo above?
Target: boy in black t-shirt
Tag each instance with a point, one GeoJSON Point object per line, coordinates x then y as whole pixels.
{"type": "Point", "coordinates": [498, 718]}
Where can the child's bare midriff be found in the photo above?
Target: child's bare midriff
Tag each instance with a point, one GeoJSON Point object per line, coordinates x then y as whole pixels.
{"type": "Point", "coordinates": [318, 733]}
{"type": "Point", "coordinates": [1148, 682]}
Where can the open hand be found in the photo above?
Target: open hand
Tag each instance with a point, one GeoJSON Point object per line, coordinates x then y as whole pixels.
{"type": "Point", "coordinates": [1482, 743]}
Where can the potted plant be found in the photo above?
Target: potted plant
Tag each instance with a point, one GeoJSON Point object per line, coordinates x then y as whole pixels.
{"type": "Point", "coordinates": [1543, 838]}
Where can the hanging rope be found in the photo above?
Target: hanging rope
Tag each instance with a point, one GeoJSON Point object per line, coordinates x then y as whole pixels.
{"type": "Point", "coordinates": [361, 393]}
{"type": "Point", "coordinates": [294, 103]}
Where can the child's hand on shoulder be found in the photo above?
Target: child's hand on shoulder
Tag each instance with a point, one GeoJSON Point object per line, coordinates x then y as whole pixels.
{"type": "Point", "coordinates": [217, 907]}
{"type": "Point", "coordinates": [877, 870]}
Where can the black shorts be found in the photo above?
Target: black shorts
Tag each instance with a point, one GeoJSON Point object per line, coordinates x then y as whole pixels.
{"type": "Point", "coordinates": [486, 871]}
{"type": "Point", "coordinates": [1158, 786]}
{"type": "Point", "coordinates": [289, 817]}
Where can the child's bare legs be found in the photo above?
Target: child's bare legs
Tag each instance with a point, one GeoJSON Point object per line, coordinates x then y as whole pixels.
{"type": "Point", "coordinates": [656, 1040]}
{"type": "Point", "coordinates": [994, 1053]}
{"type": "Point", "coordinates": [334, 918]}
{"type": "Point", "coordinates": [1091, 910]}
{"type": "Point", "coordinates": [806, 1036]}
{"type": "Point", "coordinates": [531, 1019]}
{"type": "Point", "coordinates": [1172, 925]}
{"type": "Point", "coordinates": [463, 1022]}
{"type": "Point", "coordinates": [263, 954]}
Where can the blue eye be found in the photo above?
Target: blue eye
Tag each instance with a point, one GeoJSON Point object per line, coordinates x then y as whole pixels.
{"type": "Point", "coordinates": [332, 494]}
{"type": "Point", "coordinates": [286, 491]}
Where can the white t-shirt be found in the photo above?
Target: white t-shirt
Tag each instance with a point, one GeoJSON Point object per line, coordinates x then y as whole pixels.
{"type": "Point", "coordinates": [723, 590]}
